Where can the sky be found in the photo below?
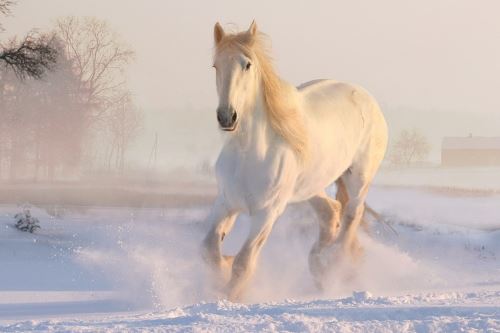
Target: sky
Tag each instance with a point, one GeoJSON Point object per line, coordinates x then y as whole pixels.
{"type": "Point", "coordinates": [425, 56]}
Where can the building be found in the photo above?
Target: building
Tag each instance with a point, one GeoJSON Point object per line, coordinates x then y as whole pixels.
{"type": "Point", "coordinates": [470, 151]}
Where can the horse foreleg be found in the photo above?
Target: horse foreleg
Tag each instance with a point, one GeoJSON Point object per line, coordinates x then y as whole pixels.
{"type": "Point", "coordinates": [246, 259]}
{"type": "Point", "coordinates": [222, 221]}
{"type": "Point", "coordinates": [328, 212]}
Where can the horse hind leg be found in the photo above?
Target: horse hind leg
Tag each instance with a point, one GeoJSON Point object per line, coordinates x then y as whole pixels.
{"type": "Point", "coordinates": [343, 197]}
{"type": "Point", "coordinates": [328, 211]}
{"type": "Point", "coordinates": [356, 183]}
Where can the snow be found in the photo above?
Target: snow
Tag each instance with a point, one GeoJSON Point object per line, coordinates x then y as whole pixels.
{"type": "Point", "coordinates": [382, 314]}
{"type": "Point", "coordinates": [138, 269]}
{"type": "Point", "coordinates": [459, 180]}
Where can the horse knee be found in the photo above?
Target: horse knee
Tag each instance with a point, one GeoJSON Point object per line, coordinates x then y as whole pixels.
{"type": "Point", "coordinates": [326, 209]}
{"type": "Point", "coordinates": [210, 248]}
{"type": "Point", "coordinates": [328, 212]}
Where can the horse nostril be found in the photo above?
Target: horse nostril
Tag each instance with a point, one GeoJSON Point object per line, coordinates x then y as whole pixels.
{"type": "Point", "coordinates": [219, 118]}
{"type": "Point", "coordinates": [235, 116]}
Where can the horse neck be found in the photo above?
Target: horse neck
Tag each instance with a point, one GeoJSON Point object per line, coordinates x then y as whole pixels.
{"type": "Point", "coordinates": [256, 134]}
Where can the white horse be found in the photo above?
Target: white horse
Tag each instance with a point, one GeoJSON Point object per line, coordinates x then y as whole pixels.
{"type": "Point", "coordinates": [287, 144]}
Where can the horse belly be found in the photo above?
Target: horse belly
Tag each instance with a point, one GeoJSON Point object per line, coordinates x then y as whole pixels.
{"type": "Point", "coordinates": [335, 131]}
{"type": "Point", "coordinates": [317, 178]}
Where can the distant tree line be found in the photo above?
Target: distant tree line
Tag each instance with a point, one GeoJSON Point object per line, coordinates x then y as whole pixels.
{"type": "Point", "coordinates": [73, 112]}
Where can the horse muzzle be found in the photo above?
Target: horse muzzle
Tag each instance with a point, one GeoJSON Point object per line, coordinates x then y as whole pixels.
{"type": "Point", "coordinates": [227, 118]}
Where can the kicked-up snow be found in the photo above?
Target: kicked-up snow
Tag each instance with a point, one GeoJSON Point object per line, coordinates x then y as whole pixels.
{"type": "Point", "coordinates": [432, 266]}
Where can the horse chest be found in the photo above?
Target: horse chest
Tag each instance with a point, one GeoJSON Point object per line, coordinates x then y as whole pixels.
{"type": "Point", "coordinates": [249, 183]}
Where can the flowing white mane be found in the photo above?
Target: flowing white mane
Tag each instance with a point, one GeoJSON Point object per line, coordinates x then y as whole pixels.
{"type": "Point", "coordinates": [283, 115]}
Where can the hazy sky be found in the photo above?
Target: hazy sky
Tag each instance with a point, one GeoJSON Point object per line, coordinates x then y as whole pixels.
{"type": "Point", "coordinates": [424, 54]}
{"type": "Point", "coordinates": [433, 64]}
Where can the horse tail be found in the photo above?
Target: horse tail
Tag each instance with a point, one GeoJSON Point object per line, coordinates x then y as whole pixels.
{"type": "Point", "coordinates": [378, 217]}
{"type": "Point", "coordinates": [372, 212]}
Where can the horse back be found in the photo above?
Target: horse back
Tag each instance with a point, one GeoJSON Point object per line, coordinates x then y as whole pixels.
{"type": "Point", "coordinates": [342, 120]}
{"type": "Point", "coordinates": [338, 104]}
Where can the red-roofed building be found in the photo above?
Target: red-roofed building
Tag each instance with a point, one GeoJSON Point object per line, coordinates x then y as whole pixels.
{"type": "Point", "coordinates": [470, 151]}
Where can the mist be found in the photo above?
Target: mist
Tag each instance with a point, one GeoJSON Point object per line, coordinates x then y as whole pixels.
{"type": "Point", "coordinates": [431, 65]}
{"type": "Point", "coordinates": [113, 150]}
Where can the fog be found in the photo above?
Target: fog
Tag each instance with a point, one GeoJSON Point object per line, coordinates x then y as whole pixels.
{"type": "Point", "coordinates": [112, 152]}
{"type": "Point", "coordinates": [433, 65]}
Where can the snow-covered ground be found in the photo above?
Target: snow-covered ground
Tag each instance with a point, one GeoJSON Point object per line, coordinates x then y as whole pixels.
{"type": "Point", "coordinates": [434, 265]}
{"type": "Point", "coordinates": [471, 179]}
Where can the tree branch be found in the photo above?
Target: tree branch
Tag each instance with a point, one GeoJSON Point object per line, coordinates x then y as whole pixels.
{"type": "Point", "coordinates": [32, 57]}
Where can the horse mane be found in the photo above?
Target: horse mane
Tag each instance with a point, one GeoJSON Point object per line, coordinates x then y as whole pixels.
{"type": "Point", "coordinates": [283, 115]}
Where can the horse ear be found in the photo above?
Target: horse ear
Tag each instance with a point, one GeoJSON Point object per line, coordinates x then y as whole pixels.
{"type": "Point", "coordinates": [252, 31]}
{"type": "Point", "coordinates": [218, 33]}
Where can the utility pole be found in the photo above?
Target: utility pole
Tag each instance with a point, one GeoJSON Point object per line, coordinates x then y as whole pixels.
{"type": "Point", "coordinates": [154, 154]}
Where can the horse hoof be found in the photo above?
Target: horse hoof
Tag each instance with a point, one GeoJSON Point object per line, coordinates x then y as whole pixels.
{"type": "Point", "coordinates": [319, 285]}
{"type": "Point", "coordinates": [233, 295]}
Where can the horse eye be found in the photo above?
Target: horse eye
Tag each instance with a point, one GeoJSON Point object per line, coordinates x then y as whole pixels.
{"type": "Point", "coordinates": [248, 65]}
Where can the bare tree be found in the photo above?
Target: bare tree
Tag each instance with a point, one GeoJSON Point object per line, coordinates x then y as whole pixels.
{"type": "Point", "coordinates": [31, 57]}
{"type": "Point", "coordinates": [41, 123]}
{"type": "Point", "coordinates": [410, 146]}
{"type": "Point", "coordinates": [99, 59]}
{"type": "Point", "coordinates": [46, 125]}
{"type": "Point", "coordinates": [123, 125]}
